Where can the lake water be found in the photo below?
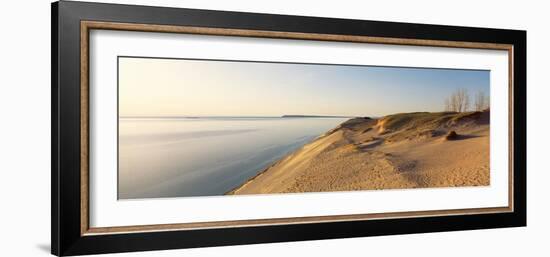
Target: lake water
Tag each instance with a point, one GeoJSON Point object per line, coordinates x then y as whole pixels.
{"type": "Point", "coordinates": [177, 157]}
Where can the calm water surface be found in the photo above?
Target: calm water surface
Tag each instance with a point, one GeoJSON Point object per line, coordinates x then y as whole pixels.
{"type": "Point", "coordinates": [177, 157]}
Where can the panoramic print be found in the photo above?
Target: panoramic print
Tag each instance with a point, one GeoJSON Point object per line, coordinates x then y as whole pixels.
{"type": "Point", "coordinates": [191, 127]}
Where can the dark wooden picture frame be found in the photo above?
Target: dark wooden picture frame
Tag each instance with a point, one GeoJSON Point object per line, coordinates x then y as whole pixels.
{"type": "Point", "coordinates": [71, 22]}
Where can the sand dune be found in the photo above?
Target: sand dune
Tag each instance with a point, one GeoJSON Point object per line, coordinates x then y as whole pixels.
{"type": "Point", "coordinates": [409, 150]}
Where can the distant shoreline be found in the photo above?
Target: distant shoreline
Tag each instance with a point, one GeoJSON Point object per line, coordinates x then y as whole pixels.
{"type": "Point", "coordinates": [235, 117]}
{"type": "Point", "coordinates": [316, 116]}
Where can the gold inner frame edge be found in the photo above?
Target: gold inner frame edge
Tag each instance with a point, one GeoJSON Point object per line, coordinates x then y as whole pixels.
{"type": "Point", "coordinates": [86, 26]}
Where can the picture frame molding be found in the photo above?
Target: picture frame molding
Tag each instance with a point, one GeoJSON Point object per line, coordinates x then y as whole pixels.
{"type": "Point", "coordinates": [86, 26]}
{"type": "Point", "coordinates": [71, 23]}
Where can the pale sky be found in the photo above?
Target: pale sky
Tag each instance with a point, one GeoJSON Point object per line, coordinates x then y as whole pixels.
{"type": "Point", "coordinates": [174, 87]}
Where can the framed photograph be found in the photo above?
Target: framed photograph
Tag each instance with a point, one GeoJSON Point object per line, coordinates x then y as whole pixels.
{"type": "Point", "coordinates": [177, 128]}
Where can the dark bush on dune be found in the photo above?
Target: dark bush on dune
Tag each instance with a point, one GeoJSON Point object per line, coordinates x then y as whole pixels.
{"type": "Point", "coordinates": [452, 135]}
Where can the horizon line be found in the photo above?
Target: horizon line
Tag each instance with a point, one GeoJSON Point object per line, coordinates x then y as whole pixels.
{"type": "Point", "coordinates": [238, 116]}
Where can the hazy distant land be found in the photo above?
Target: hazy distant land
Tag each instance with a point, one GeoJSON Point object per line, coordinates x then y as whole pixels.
{"type": "Point", "coordinates": [221, 117]}
{"type": "Point", "coordinates": [314, 116]}
{"type": "Point", "coordinates": [406, 150]}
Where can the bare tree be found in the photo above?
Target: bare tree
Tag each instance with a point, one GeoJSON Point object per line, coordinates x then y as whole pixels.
{"type": "Point", "coordinates": [458, 101]}
{"type": "Point", "coordinates": [465, 100]}
{"type": "Point", "coordinates": [481, 101]}
{"type": "Point", "coordinates": [448, 105]}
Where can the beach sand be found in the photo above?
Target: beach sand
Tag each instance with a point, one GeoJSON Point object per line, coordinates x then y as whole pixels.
{"type": "Point", "coordinates": [409, 150]}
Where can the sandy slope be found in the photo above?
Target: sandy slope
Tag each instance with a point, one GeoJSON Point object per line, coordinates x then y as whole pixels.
{"type": "Point", "coordinates": [398, 151]}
